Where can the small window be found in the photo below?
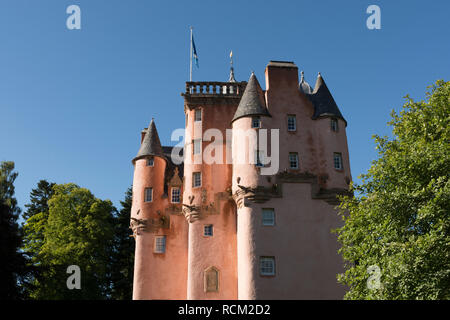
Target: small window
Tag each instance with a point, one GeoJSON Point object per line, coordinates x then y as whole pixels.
{"type": "Point", "coordinates": [148, 194]}
{"type": "Point", "coordinates": [338, 161]}
{"type": "Point", "coordinates": [187, 119]}
{"type": "Point", "coordinates": [267, 266]}
{"type": "Point", "coordinates": [259, 158]}
{"type": "Point", "coordinates": [334, 125]}
{"type": "Point", "coordinates": [292, 122]}
{"type": "Point", "coordinates": [208, 230]}
{"type": "Point", "coordinates": [160, 244]}
{"type": "Point", "coordinates": [150, 162]}
{"type": "Point", "coordinates": [268, 217]}
{"type": "Point", "coordinates": [196, 179]}
{"type": "Point", "coordinates": [197, 146]}
{"type": "Point", "coordinates": [256, 122]}
{"type": "Point", "coordinates": [198, 115]}
{"type": "Point", "coordinates": [175, 195]}
{"type": "Point", "coordinates": [293, 160]}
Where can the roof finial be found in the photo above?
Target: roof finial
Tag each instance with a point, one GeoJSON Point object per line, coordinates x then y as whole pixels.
{"type": "Point", "coordinates": [303, 76]}
{"type": "Point", "coordinates": [319, 75]}
{"type": "Point", "coordinates": [231, 79]}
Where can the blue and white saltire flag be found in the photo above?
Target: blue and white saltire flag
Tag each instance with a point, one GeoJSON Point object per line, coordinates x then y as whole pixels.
{"type": "Point", "coordinates": [194, 52]}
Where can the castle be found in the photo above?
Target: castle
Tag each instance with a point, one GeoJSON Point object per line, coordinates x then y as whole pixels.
{"type": "Point", "coordinates": [250, 229]}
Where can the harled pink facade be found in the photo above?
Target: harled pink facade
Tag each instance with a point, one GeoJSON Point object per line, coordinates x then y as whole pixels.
{"type": "Point", "coordinates": [238, 232]}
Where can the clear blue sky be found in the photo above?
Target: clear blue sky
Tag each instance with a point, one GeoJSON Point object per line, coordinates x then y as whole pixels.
{"type": "Point", "coordinates": [73, 102]}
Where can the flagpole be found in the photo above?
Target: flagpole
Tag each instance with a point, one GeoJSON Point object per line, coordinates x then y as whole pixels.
{"type": "Point", "coordinates": [190, 59]}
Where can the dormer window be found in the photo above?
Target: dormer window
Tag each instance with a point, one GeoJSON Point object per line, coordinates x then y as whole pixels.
{"type": "Point", "coordinates": [334, 125]}
{"type": "Point", "coordinates": [256, 122]}
{"type": "Point", "coordinates": [175, 195]}
{"type": "Point", "coordinates": [198, 115]}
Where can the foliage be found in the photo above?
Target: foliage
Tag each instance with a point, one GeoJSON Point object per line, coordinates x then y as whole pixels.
{"type": "Point", "coordinates": [123, 256]}
{"type": "Point", "coordinates": [400, 222]}
{"type": "Point", "coordinates": [13, 271]}
{"type": "Point", "coordinates": [78, 231]}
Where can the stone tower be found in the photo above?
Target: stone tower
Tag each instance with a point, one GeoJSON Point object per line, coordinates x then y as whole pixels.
{"type": "Point", "coordinates": [242, 218]}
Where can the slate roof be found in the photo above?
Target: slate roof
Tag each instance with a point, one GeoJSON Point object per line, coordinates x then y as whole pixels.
{"type": "Point", "coordinates": [151, 145]}
{"type": "Point", "coordinates": [324, 104]}
{"type": "Point", "coordinates": [252, 102]}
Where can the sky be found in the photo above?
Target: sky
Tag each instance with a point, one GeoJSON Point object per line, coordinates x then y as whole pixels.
{"type": "Point", "coordinates": [73, 102]}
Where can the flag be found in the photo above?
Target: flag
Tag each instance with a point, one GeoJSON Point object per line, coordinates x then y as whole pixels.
{"type": "Point", "coordinates": [194, 52]}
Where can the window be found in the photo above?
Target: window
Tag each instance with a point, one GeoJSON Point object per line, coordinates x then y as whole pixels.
{"type": "Point", "coordinates": [175, 195]}
{"type": "Point", "coordinates": [334, 125]}
{"type": "Point", "coordinates": [198, 115]}
{"type": "Point", "coordinates": [160, 244]}
{"type": "Point", "coordinates": [187, 119]}
{"type": "Point", "coordinates": [267, 266]}
{"type": "Point", "coordinates": [208, 230]}
{"type": "Point", "coordinates": [148, 195]}
{"type": "Point", "coordinates": [293, 160]}
{"type": "Point", "coordinates": [256, 122]}
{"type": "Point", "coordinates": [268, 217]}
{"type": "Point", "coordinates": [338, 161]}
{"type": "Point", "coordinates": [196, 179]}
{"type": "Point", "coordinates": [197, 146]}
{"type": "Point", "coordinates": [259, 158]}
{"type": "Point", "coordinates": [292, 122]}
{"type": "Point", "coordinates": [150, 162]}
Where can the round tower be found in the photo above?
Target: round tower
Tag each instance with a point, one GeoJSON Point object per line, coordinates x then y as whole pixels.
{"type": "Point", "coordinates": [247, 160]}
{"type": "Point", "coordinates": [148, 187]}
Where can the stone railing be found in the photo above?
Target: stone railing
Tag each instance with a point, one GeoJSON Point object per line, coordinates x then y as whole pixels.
{"type": "Point", "coordinates": [215, 88]}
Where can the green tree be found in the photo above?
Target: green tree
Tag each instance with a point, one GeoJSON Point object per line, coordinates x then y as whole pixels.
{"type": "Point", "coordinates": [399, 222]}
{"type": "Point", "coordinates": [13, 270]}
{"type": "Point", "coordinates": [34, 231]}
{"type": "Point", "coordinates": [80, 232]}
{"type": "Point", "coordinates": [123, 256]}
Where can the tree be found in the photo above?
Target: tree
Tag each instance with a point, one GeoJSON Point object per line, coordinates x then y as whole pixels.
{"type": "Point", "coordinates": [399, 223]}
{"type": "Point", "coordinates": [13, 271]}
{"type": "Point", "coordinates": [34, 231]}
{"type": "Point", "coordinates": [123, 256]}
{"type": "Point", "coordinates": [79, 231]}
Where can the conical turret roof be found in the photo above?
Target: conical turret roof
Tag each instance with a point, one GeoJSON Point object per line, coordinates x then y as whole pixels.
{"type": "Point", "coordinates": [252, 102]}
{"type": "Point", "coordinates": [324, 104]}
{"type": "Point", "coordinates": [151, 145]}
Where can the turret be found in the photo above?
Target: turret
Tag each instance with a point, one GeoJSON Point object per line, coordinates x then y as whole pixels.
{"type": "Point", "coordinates": [249, 118]}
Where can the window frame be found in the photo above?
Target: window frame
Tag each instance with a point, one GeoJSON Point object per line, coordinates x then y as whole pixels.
{"type": "Point", "coordinates": [157, 246]}
{"type": "Point", "coordinates": [253, 122]}
{"type": "Point", "coordinates": [339, 156]}
{"type": "Point", "coordinates": [334, 125]}
{"type": "Point", "coordinates": [264, 220]}
{"type": "Point", "coordinates": [146, 194]}
{"type": "Point", "coordinates": [267, 258]}
{"type": "Point", "coordinates": [152, 162]}
{"type": "Point", "coordinates": [198, 112]}
{"type": "Point", "coordinates": [179, 194]}
{"type": "Point", "coordinates": [296, 159]}
{"type": "Point", "coordinates": [209, 227]}
{"type": "Point", "coordinates": [199, 145]}
{"type": "Point", "coordinates": [193, 179]}
{"type": "Point", "coordinates": [290, 116]}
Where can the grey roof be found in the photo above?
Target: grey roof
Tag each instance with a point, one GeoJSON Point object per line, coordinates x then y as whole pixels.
{"type": "Point", "coordinates": [252, 102]}
{"type": "Point", "coordinates": [324, 104]}
{"type": "Point", "coordinates": [151, 145]}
